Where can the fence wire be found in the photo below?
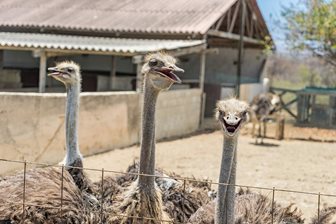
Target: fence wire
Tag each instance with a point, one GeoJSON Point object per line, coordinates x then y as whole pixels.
{"type": "Point", "coordinates": [103, 171]}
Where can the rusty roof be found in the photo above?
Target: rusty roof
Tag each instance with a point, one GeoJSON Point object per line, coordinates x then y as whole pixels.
{"type": "Point", "coordinates": [143, 16]}
{"type": "Point", "coordinates": [118, 46]}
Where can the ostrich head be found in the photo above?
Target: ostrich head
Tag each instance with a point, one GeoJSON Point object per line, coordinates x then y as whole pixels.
{"type": "Point", "coordinates": [67, 72]}
{"type": "Point", "coordinates": [160, 68]}
{"type": "Point", "coordinates": [232, 114]}
{"type": "Point", "coordinates": [275, 103]}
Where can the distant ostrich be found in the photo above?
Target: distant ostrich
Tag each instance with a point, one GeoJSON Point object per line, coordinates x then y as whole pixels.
{"type": "Point", "coordinates": [263, 106]}
{"type": "Point", "coordinates": [250, 207]}
{"type": "Point", "coordinates": [43, 185]}
{"type": "Point", "coordinates": [142, 202]}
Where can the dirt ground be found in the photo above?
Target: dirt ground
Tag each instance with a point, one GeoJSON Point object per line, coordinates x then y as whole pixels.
{"type": "Point", "coordinates": [288, 164]}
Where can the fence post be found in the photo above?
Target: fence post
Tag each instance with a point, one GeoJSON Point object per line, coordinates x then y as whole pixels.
{"type": "Point", "coordinates": [318, 206]}
{"type": "Point", "coordinates": [101, 197]}
{"type": "Point", "coordinates": [184, 187]}
{"type": "Point", "coordinates": [62, 186]}
{"type": "Point", "coordinates": [273, 191]}
{"type": "Point", "coordinates": [24, 191]}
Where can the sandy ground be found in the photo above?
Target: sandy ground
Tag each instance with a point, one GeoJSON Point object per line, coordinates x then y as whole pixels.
{"type": "Point", "coordinates": [290, 164]}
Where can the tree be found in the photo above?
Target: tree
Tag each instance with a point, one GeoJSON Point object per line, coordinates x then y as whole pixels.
{"type": "Point", "coordinates": [311, 26]}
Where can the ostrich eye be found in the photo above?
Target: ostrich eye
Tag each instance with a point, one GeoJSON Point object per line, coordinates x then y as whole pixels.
{"type": "Point", "coordinates": [70, 70]}
{"type": "Point", "coordinates": [153, 62]}
{"type": "Point", "coordinates": [244, 113]}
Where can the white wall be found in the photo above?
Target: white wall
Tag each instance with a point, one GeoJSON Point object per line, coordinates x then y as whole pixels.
{"type": "Point", "coordinates": [32, 125]}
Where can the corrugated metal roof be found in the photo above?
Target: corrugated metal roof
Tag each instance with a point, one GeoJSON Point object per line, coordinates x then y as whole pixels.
{"type": "Point", "coordinates": [92, 44]}
{"type": "Point", "coordinates": [152, 16]}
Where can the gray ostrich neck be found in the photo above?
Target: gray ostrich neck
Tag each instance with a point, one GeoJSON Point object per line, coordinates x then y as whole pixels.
{"type": "Point", "coordinates": [71, 125]}
{"type": "Point", "coordinates": [225, 200]}
{"type": "Point", "coordinates": [147, 156]}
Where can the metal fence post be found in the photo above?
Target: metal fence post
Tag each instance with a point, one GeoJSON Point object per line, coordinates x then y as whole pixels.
{"type": "Point", "coordinates": [102, 197]}
{"type": "Point", "coordinates": [273, 191]}
{"type": "Point", "coordinates": [62, 186]}
{"type": "Point", "coordinates": [24, 191]}
{"type": "Point", "coordinates": [318, 206]}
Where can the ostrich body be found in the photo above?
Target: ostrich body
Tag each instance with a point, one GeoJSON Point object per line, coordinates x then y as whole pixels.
{"type": "Point", "coordinates": [142, 202]}
{"type": "Point", "coordinates": [244, 207]}
{"type": "Point", "coordinates": [43, 185]}
{"type": "Point", "coordinates": [43, 199]}
{"type": "Point", "coordinates": [327, 216]}
{"type": "Point", "coordinates": [180, 199]}
{"type": "Point", "coordinates": [252, 208]}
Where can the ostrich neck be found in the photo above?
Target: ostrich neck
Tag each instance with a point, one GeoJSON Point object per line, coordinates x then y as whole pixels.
{"type": "Point", "coordinates": [147, 156]}
{"type": "Point", "coordinates": [225, 205]}
{"type": "Point", "coordinates": [71, 125]}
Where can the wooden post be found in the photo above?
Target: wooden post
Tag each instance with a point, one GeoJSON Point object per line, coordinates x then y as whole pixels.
{"type": "Point", "coordinates": [201, 84]}
{"type": "Point", "coordinates": [1, 59]}
{"type": "Point", "coordinates": [240, 46]}
{"type": "Point", "coordinates": [112, 85]}
{"type": "Point", "coordinates": [202, 71]}
{"type": "Point", "coordinates": [280, 128]}
{"type": "Point", "coordinates": [43, 72]}
{"type": "Point", "coordinates": [139, 78]}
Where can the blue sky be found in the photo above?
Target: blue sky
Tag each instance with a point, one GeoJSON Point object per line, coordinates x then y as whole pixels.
{"type": "Point", "coordinates": [271, 10]}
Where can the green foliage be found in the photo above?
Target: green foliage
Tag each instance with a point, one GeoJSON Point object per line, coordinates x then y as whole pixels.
{"type": "Point", "coordinates": [311, 26]}
{"type": "Point", "coordinates": [268, 45]}
{"type": "Point", "coordinates": [309, 77]}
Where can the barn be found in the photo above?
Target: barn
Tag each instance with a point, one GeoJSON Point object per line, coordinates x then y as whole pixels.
{"type": "Point", "coordinates": [109, 39]}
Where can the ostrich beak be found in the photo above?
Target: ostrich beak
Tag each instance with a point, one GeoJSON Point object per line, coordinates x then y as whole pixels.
{"type": "Point", "coordinates": [54, 71]}
{"type": "Point", "coordinates": [177, 69]}
{"type": "Point", "coordinates": [168, 72]}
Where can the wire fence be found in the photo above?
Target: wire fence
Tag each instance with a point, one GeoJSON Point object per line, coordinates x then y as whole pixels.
{"type": "Point", "coordinates": [183, 180]}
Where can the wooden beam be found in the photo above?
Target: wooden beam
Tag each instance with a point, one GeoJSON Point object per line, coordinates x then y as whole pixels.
{"type": "Point", "coordinates": [240, 46]}
{"type": "Point", "coordinates": [234, 18]}
{"type": "Point", "coordinates": [43, 72]}
{"type": "Point", "coordinates": [228, 19]}
{"type": "Point", "coordinates": [247, 24]}
{"type": "Point", "coordinates": [233, 36]}
{"type": "Point", "coordinates": [220, 21]}
{"type": "Point", "coordinates": [252, 17]}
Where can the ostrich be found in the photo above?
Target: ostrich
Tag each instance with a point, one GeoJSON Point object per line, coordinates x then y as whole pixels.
{"type": "Point", "coordinates": [262, 106]}
{"type": "Point", "coordinates": [69, 74]}
{"type": "Point", "coordinates": [40, 189]}
{"type": "Point", "coordinates": [232, 114]}
{"type": "Point", "coordinates": [180, 199]}
{"type": "Point", "coordinates": [143, 200]}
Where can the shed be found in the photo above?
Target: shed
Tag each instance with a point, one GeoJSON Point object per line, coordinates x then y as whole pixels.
{"type": "Point", "coordinates": [110, 37]}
